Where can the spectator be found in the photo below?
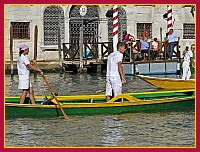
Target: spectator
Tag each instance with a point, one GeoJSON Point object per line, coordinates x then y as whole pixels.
{"type": "Point", "coordinates": [144, 47]}
{"type": "Point", "coordinates": [127, 37]}
{"type": "Point", "coordinates": [154, 48]}
{"type": "Point", "coordinates": [136, 55]}
{"type": "Point", "coordinates": [171, 43]}
{"type": "Point", "coordinates": [188, 59]}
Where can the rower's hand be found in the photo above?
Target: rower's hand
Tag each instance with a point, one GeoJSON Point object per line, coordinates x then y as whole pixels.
{"type": "Point", "coordinates": [123, 80]}
{"type": "Point", "coordinates": [34, 61]}
{"type": "Point", "coordinates": [41, 72]}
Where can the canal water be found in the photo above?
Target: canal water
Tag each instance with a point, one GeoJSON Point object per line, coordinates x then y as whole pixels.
{"type": "Point", "coordinates": [168, 128]}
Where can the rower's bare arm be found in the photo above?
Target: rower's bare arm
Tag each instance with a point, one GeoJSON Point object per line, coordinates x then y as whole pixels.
{"type": "Point", "coordinates": [35, 68]}
{"type": "Point", "coordinates": [121, 72]}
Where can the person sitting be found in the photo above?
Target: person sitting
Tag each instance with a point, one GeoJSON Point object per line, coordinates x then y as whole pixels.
{"type": "Point", "coordinates": [127, 37]}
{"type": "Point", "coordinates": [136, 55]}
{"type": "Point", "coordinates": [154, 49]}
{"type": "Point", "coordinates": [144, 47]}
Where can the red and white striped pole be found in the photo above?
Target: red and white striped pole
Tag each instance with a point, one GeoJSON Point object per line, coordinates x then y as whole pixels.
{"type": "Point", "coordinates": [115, 27]}
{"type": "Point", "coordinates": [169, 18]}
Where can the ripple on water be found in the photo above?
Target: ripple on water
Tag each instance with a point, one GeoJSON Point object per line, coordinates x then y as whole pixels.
{"type": "Point", "coordinates": [137, 129]}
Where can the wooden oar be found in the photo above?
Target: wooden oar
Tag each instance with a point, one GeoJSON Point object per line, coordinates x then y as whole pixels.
{"type": "Point", "coordinates": [52, 92]}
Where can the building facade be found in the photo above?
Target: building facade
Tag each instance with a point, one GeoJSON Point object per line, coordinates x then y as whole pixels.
{"type": "Point", "coordinates": [97, 25]}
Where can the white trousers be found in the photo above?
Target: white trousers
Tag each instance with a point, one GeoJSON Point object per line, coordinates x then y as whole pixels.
{"type": "Point", "coordinates": [113, 84]}
{"type": "Point", "coordinates": [24, 84]}
{"type": "Point", "coordinates": [186, 70]}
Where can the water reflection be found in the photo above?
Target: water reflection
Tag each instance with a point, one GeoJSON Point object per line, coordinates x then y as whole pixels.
{"type": "Point", "coordinates": [113, 129]}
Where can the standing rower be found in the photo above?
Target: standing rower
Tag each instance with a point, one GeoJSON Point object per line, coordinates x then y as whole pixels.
{"type": "Point", "coordinates": [115, 75]}
{"type": "Point", "coordinates": [24, 66]}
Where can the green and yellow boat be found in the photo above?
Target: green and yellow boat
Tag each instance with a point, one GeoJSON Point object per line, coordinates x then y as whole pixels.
{"type": "Point", "coordinates": [96, 104]}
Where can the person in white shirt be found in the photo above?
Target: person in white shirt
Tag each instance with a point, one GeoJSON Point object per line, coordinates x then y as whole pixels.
{"type": "Point", "coordinates": [154, 47]}
{"type": "Point", "coordinates": [24, 66]}
{"type": "Point", "coordinates": [188, 58]}
{"type": "Point", "coordinates": [171, 43]}
{"type": "Point", "coordinates": [115, 75]}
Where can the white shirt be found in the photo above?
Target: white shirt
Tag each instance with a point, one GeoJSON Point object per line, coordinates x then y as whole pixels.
{"type": "Point", "coordinates": [23, 68]}
{"type": "Point", "coordinates": [188, 55]}
{"type": "Point", "coordinates": [172, 37]}
{"type": "Point", "coordinates": [112, 63]}
{"type": "Point", "coordinates": [155, 45]}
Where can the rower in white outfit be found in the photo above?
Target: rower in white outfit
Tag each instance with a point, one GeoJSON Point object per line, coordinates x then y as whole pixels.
{"type": "Point", "coordinates": [115, 75]}
{"type": "Point", "coordinates": [188, 58]}
{"type": "Point", "coordinates": [24, 66]}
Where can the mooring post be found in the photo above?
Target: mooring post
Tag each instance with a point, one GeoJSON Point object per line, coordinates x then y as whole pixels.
{"type": "Point", "coordinates": [165, 59]}
{"type": "Point", "coordinates": [81, 48]}
{"type": "Point", "coordinates": [11, 50]}
{"type": "Point", "coordinates": [35, 42]}
{"type": "Point", "coordinates": [178, 70]}
{"type": "Point", "coordinates": [59, 50]}
{"type": "Point", "coordinates": [35, 47]}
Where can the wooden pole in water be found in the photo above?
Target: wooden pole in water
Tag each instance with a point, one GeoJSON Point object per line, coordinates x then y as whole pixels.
{"type": "Point", "coordinates": [35, 47]}
{"type": "Point", "coordinates": [81, 48]}
{"type": "Point", "coordinates": [35, 42]}
{"type": "Point", "coordinates": [11, 50]}
{"type": "Point", "coordinates": [59, 49]}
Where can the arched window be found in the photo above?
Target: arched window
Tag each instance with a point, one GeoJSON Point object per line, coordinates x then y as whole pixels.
{"type": "Point", "coordinates": [53, 18]}
{"type": "Point", "coordinates": [122, 24]}
{"type": "Point", "coordinates": [90, 30]}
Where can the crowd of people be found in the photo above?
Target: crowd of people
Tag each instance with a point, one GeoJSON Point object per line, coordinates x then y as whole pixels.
{"type": "Point", "coordinates": [152, 49]}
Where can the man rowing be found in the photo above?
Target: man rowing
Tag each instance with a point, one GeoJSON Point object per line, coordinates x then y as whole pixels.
{"type": "Point", "coordinates": [115, 75]}
{"type": "Point", "coordinates": [24, 66]}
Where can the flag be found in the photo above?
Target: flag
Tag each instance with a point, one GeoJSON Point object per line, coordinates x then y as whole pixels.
{"type": "Point", "coordinates": [144, 32]}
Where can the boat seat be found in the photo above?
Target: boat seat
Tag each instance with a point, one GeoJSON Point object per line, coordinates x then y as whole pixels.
{"type": "Point", "coordinates": [122, 97]}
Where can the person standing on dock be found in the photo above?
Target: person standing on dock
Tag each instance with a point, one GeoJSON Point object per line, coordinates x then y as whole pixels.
{"type": "Point", "coordinates": [115, 75]}
{"type": "Point", "coordinates": [171, 43]}
{"type": "Point", "coordinates": [24, 66]}
{"type": "Point", "coordinates": [144, 47]}
{"type": "Point", "coordinates": [188, 58]}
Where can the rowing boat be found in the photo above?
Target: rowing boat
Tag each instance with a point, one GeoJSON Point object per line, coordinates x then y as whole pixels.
{"type": "Point", "coordinates": [169, 83]}
{"type": "Point", "coordinates": [96, 104]}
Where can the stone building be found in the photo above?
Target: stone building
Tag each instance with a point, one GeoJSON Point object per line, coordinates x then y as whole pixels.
{"type": "Point", "coordinates": [133, 18]}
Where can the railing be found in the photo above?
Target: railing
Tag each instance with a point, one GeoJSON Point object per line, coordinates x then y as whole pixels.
{"type": "Point", "coordinates": [103, 49]}
{"type": "Point", "coordinates": [162, 49]}
{"type": "Point", "coordinates": [90, 51]}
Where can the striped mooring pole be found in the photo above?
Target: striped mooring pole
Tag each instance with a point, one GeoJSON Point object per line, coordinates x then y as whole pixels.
{"type": "Point", "coordinates": [169, 18]}
{"type": "Point", "coordinates": [115, 27]}
{"type": "Point", "coordinates": [170, 26]}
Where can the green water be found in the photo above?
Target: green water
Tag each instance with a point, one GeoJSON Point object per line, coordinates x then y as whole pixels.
{"type": "Point", "coordinates": [167, 128]}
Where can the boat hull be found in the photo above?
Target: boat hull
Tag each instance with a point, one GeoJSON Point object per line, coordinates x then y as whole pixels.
{"type": "Point", "coordinates": [33, 112]}
{"type": "Point", "coordinates": [83, 105]}
{"type": "Point", "coordinates": [167, 83]}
